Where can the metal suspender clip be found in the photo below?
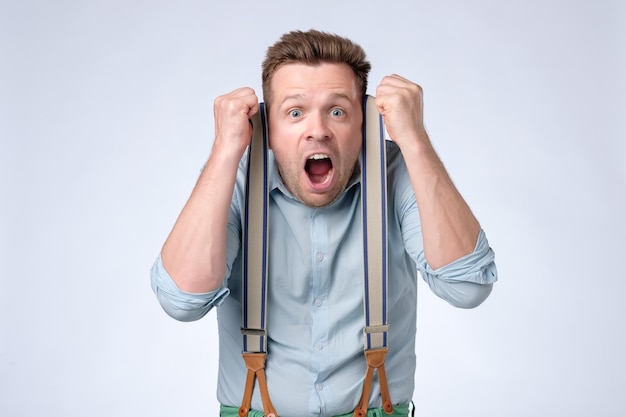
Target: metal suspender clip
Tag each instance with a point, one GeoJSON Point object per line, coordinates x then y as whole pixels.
{"type": "Point", "coordinates": [254, 332]}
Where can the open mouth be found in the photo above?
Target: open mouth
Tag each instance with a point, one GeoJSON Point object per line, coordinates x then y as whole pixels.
{"type": "Point", "coordinates": [319, 168]}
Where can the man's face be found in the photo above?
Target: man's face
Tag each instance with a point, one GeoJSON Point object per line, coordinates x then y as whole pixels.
{"type": "Point", "coordinates": [315, 129]}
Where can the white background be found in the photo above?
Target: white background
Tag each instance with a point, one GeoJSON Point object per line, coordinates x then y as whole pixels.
{"type": "Point", "coordinates": [106, 118]}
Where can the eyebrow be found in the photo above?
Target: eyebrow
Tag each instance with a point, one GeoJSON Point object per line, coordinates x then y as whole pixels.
{"type": "Point", "coordinates": [302, 97]}
{"type": "Point", "coordinates": [292, 97]}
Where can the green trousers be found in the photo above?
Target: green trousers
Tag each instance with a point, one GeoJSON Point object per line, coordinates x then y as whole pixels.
{"type": "Point", "coordinates": [400, 410]}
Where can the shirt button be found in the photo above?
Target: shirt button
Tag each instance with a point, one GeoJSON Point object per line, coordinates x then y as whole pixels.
{"type": "Point", "coordinates": [319, 346]}
{"type": "Point", "coordinates": [318, 303]}
{"type": "Point", "coordinates": [319, 256]}
{"type": "Point", "coordinates": [319, 387]}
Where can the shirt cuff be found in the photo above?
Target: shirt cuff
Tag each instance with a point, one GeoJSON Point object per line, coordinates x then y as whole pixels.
{"type": "Point", "coordinates": [478, 267]}
{"type": "Point", "coordinates": [179, 304]}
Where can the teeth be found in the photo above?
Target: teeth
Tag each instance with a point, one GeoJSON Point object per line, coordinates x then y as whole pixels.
{"type": "Point", "coordinates": [318, 156]}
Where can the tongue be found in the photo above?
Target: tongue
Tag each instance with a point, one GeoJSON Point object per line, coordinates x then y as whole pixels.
{"type": "Point", "coordinates": [318, 169]}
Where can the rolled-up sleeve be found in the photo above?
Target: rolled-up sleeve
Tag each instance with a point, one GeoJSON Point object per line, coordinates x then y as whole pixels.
{"type": "Point", "coordinates": [466, 282]}
{"type": "Point", "coordinates": [179, 304]}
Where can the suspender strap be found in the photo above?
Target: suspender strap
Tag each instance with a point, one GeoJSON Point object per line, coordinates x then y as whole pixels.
{"type": "Point", "coordinates": [255, 268]}
{"type": "Point", "coordinates": [254, 277]}
{"type": "Point", "coordinates": [374, 214]}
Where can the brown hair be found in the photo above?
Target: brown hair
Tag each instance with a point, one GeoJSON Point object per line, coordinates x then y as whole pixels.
{"type": "Point", "coordinates": [312, 48]}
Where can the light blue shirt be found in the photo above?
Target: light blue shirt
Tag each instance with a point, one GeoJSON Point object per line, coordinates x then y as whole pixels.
{"type": "Point", "coordinates": [315, 364]}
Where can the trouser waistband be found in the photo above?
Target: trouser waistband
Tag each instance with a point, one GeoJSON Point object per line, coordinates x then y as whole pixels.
{"type": "Point", "coordinates": [400, 410]}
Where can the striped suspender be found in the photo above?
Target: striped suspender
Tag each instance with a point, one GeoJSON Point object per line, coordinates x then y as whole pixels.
{"type": "Point", "coordinates": [255, 239]}
{"type": "Point", "coordinates": [255, 268]}
{"type": "Point", "coordinates": [374, 214]}
{"type": "Point", "coordinates": [254, 277]}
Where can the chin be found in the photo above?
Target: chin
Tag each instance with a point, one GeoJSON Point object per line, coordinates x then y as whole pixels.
{"type": "Point", "coordinates": [319, 200]}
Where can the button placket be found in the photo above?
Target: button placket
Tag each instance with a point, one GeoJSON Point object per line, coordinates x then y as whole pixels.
{"type": "Point", "coordinates": [320, 282]}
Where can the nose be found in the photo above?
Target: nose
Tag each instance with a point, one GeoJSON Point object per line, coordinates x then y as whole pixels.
{"type": "Point", "coordinates": [317, 126]}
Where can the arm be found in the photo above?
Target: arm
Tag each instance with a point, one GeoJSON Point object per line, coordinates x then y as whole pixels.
{"type": "Point", "coordinates": [449, 228]}
{"type": "Point", "coordinates": [194, 253]}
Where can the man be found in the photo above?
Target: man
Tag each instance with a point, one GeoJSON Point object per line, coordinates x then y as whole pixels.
{"type": "Point", "coordinates": [313, 87]}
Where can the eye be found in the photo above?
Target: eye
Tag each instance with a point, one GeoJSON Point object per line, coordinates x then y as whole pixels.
{"type": "Point", "coordinates": [295, 113]}
{"type": "Point", "coordinates": [337, 112]}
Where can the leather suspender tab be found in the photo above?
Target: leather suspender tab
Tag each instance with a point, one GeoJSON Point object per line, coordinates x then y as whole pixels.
{"type": "Point", "coordinates": [375, 361]}
{"type": "Point", "coordinates": [255, 362]}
